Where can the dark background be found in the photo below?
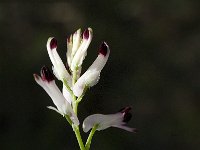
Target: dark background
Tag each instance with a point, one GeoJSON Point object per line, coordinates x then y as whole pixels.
{"type": "Point", "coordinates": [154, 67]}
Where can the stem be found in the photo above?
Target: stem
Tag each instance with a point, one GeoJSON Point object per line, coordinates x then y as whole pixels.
{"type": "Point", "coordinates": [88, 143]}
{"type": "Point", "coordinates": [78, 100]}
{"type": "Point", "coordinates": [75, 107]}
{"type": "Point", "coordinates": [75, 103]}
{"type": "Point", "coordinates": [78, 136]}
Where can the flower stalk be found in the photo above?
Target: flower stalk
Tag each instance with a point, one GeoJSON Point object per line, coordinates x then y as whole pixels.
{"type": "Point", "coordinates": [89, 140]}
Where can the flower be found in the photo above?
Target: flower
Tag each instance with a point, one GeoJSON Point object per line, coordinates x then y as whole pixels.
{"type": "Point", "coordinates": [77, 46]}
{"type": "Point", "coordinates": [102, 122]}
{"type": "Point", "coordinates": [92, 75]}
{"type": "Point", "coordinates": [47, 82]}
{"type": "Point", "coordinates": [58, 67]}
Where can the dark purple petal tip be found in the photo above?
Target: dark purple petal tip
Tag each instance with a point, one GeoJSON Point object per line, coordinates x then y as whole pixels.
{"type": "Point", "coordinates": [46, 74]}
{"type": "Point", "coordinates": [53, 43]}
{"type": "Point", "coordinates": [103, 49]}
{"type": "Point", "coordinates": [126, 114]}
{"type": "Point", "coordinates": [127, 117]}
{"type": "Point", "coordinates": [86, 34]}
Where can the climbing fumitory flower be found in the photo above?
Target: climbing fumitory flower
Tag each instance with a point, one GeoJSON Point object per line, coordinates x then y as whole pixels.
{"type": "Point", "coordinates": [77, 48]}
{"type": "Point", "coordinates": [58, 67]}
{"type": "Point", "coordinates": [92, 75]}
{"type": "Point", "coordinates": [73, 43]}
{"type": "Point", "coordinates": [102, 122]}
{"type": "Point", "coordinates": [47, 82]}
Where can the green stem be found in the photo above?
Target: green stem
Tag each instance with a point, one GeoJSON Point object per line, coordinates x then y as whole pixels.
{"type": "Point", "coordinates": [78, 136]}
{"type": "Point", "coordinates": [88, 143]}
{"type": "Point", "coordinates": [75, 103]}
{"type": "Point", "coordinates": [75, 108]}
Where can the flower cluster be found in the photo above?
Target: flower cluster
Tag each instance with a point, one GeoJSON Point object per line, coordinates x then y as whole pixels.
{"type": "Point", "coordinates": [76, 84]}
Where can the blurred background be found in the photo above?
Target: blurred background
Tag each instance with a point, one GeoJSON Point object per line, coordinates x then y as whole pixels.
{"type": "Point", "coordinates": [153, 67]}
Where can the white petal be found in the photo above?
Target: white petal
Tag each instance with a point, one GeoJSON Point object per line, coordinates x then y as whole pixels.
{"type": "Point", "coordinates": [103, 121]}
{"type": "Point", "coordinates": [92, 75]}
{"type": "Point", "coordinates": [76, 42]}
{"type": "Point", "coordinates": [63, 106]}
{"type": "Point", "coordinates": [53, 108]}
{"type": "Point", "coordinates": [125, 128]}
{"type": "Point", "coordinates": [106, 121]}
{"type": "Point", "coordinates": [69, 50]}
{"type": "Point", "coordinates": [67, 94]}
{"type": "Point", "coordinates": [89, 78]}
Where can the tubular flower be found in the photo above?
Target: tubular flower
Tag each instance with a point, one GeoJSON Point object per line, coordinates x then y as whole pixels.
{"type": "Point", "coordinates": [77, 45]}
{"type": "Point", "coordinates": [47, 82]}
{"type": "Point", "coordinates": [58, 67]}
{"type": "Point", "coordinates": [102, 122]}
{"type": "Point", "coordinates": [92, 75]}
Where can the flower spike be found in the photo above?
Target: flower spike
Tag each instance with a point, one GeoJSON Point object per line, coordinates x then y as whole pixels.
{"type": "Point", "coordinates": [76, 84]}
{"type": "Point", "coordinates": [102, 122]}
{"type": "Point", "coordinates": [58, 66]}
{"type": "Point", "coordinates": [47, 82]}
{"type": "Point", "coordinates": [92, 75]}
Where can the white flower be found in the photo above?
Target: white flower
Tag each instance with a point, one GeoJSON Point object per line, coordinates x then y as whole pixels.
{"type": "Point", "coordinates": [102, 122]}
{"type": "Point", "coordinates": [77, 48]}
{"type": "Point", "coordinates": [73, 43]}
{"type": "Point", "coordinates": [58, 66]}
{"type": "Point", "coordinates": [92, 75]}
{"type": "Point", "coordinates": [47, 82]}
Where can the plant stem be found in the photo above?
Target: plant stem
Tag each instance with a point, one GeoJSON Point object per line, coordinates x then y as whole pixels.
{"type": "Point", "coordinates": [88, 143]}
{"type": "Point", "coordinates": [78, 136]}
{"type": "Point", "coordinates": [75, 107]}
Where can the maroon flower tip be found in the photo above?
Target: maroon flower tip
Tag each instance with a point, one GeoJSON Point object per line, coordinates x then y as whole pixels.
{"type": "Point", "coordinates": [53, 43]}
{"type": "Point", "coordinates": [86, 34]}
{"type": "Point", "coordinates": [103, 49]}
{"type": "Point", "coordinates": [126, 114]}
{"type": "Point", "coordinates": [127, 117]}
{"type": "Point", "coordinates": [46, 74]}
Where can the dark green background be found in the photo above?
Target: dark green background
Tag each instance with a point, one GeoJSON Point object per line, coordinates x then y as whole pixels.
{"type": "Point", "coordinates": [153, 66]}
